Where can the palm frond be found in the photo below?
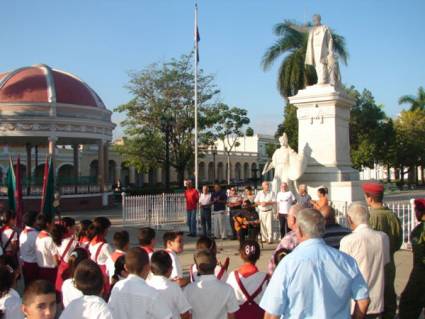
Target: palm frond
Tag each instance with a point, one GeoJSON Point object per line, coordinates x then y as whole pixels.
{"type": "Point", "coordinates": [340, 47]}
{"type": "Point", "coordinates": [407, 99]}
{"type": "Point", "coordinates": [280, 47]}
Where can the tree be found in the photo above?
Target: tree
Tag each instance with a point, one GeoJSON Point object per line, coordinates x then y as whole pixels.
{"type": "Point", "coordinates": [293, 74]}
{"type": "Point", "coordinates": [165, 91]}
{"type": "Point", "coordinates": [249, 131]}
{"type": "Point", "coordinates": [228, 127]}
{"type": "Point", "coordinates": [289, 126]}
{"type": "Point", "coordinates": [416, 102]}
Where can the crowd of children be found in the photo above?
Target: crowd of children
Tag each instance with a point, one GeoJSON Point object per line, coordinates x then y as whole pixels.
{"type": "Point", "coordinates": [69, 269]}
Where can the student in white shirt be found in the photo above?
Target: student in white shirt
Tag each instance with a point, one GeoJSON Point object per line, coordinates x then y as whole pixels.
{"type": "Point", "coordinates": [285, 199]}
{"type": "Point", "coordinates": [265, 201]}
{"type": "Point", "coordinates": [170, 292]}
{"type": "Point", "coordinates": [100, 250]}
{"type": "Point", "coordinates": [89, 280]}
{"type": "Point", "coordinates": [69, 290]}
{"type": "Point", "coordinates": [132, 297]}
{"type": "Point", "coordinates": [209, 297]}
{"type": "Point", "coordinates": [39, 300]}
{"type": "Point", "coordinates": [147, 240]}
{"type": "Point", "coordinates": [27, 240]}
{"type": "Point", "coordinates": [371, 250]}
{"type": "Point", "coordinates": [9, 239]}
{"type": "Point", "coordinates": [46, 250]}
{"type": "Point", "coordinates": [173, 244]}
{"type": "Point", "coordinates": [121, 242]}
{"type": "Point", "coordinates": [248, 282]}
{"type": "Point", "coordinates": [10, 301]}
{"type": "Point", "coordinates": [220, 270]}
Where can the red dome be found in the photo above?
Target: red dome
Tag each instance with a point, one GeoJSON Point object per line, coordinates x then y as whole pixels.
{"type": "Point", "coordinates": [42, 84]}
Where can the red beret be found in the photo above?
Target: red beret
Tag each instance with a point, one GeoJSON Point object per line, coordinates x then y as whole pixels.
{"type": "Point", "coordinates": [373, 188]}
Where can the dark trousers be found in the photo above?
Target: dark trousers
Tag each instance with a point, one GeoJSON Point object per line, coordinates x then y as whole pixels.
{"type": "Point", "coordinates": [206, 221]}
{"type": "Point", "coordinates": [390, 297]}
{"type": "Point", "coordinates": [283, 225]}
{"type": "Point", "coordinates": [250, 233]}
{"type": "Point", "coordinates": [232, 223]}
{"type": "Point", "coordinates": [412, 298]}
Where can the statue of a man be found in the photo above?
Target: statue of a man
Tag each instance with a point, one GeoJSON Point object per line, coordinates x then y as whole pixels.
{"type": "Point", "coordinates": [320, 52]}
{"type": "Point", "coordinates": [287, 164]}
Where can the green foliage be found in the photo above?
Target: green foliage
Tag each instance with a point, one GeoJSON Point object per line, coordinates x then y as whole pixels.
{"type": "Point", "coordinates": [293, 74]}
{"type": "Point", "coordinates": [163, 98]}
{"type": "Point", "coordinates": [249, 131]}
{"type": "Point", "coordinates": [289, 126]}
{"type": "Point", "coordinates": [416, 102]}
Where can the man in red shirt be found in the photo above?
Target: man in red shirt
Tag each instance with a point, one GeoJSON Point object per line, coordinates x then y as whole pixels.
{"type": "Point", "coordinates": [192, 198]}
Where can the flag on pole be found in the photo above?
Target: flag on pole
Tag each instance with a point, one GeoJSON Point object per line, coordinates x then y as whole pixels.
{"type": "Point", "coordinates": [48, 193]}
{"type": "Point", "coordinates": [11, 186]}
{"type": "Point", "coordinates": [19, 207]}
{"type": "Point", "coordinates": [197, 36]}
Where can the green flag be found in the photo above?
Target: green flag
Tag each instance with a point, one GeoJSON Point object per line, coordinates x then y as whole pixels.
{"type": "Point", "coordinates": [48, 194]}
{"type": "Point", "coordinates": [11, 186]}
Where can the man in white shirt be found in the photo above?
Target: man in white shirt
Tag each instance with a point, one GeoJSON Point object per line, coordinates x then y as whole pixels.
{"type": "Point", "coordinates": [27, 252]}
{"type": "Point", "coordinates": [285, 199]}
{"type": "Point", "coordinates": [265, 201]}
{"type": "Point", "coordinates": [210, 298]}
{"type": "Point", "coordinates": [371, 250]}
{"type": "Point", "coordinates": [170, 292]}
{"type": "Point", "coordinates": [132, 297]}
{"type": "Point", "coordinates": [205, 203]}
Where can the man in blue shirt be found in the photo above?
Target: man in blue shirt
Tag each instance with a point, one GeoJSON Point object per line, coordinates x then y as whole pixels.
{"type": "Point", "coordinates": [219, 200]}
{"type": "Point", "coordinates": [315, 280]}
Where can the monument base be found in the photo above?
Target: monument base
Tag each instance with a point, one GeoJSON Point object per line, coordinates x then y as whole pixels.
{"type": "Point", "coordinates": [339, 192]}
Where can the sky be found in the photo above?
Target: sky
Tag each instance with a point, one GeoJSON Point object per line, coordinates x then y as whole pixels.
{"type": "Point", "coordinates": [100, 41]}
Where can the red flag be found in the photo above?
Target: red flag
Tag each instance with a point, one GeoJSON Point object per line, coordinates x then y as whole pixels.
{"type": "Point", "coordinates": [18, 194]}
{"type": "Point", "coordinates": [44, 189]}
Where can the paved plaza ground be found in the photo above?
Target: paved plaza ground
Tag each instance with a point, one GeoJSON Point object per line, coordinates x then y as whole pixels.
{"type": "Point", "coordinates": [228, 248]}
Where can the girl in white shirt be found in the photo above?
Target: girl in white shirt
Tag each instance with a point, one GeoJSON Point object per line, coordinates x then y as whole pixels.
{"type": "Point", "coordinates": [10, 302]}
{"type": "Point", "coordinates": [27, 254]}
{"type": "Point", "coordinates": [248, 282]}
{"type": "Point", "coordinates": [9, 239]}
{"type": "Point", "coordinates": [69, 290]}
{"type": "Point", "coordinates": [46, 250]}
{"type": "Point", "coordinates": [100, 251]}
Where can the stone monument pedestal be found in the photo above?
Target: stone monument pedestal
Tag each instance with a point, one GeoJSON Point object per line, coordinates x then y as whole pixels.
{"type": "Point", "coordinates": [323, 133]}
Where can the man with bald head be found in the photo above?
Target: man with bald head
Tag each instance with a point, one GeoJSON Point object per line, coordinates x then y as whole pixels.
{"type": "Point", "coordinates": [334, 232]}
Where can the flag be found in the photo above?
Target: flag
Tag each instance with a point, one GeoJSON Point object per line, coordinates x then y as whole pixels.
{"type": "Point", "coordinates": [11, 186]}
{"type": "Point", "coordinates": [197, 36]}
{"type": "Point", "coordinates": [48, 193]}
{"type": "Point", "coordinates": [19, 208]}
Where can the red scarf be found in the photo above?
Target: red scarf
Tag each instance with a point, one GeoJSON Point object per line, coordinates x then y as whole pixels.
{"type": "Point", "coordinates": [148, 249]}
{"type": "Point", "coordinates": [97, 239]}
{"type": "Point", "coordinates": [43, 234]}
{"type": "Point", "coordinates": [247, 270]}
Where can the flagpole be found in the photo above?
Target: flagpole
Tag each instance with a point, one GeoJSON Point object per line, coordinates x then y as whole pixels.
{"type": "Point", "coordinates": [196, 96]}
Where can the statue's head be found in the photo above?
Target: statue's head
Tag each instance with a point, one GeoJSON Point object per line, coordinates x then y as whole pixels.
{"type": "Point", "coordinates": [317, 20]}
{"type": "Point", "coordinates": [283, 140]}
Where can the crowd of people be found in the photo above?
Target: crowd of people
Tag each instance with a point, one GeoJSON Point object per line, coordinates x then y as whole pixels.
{"type": "Point", "coordinates": [319, 268]}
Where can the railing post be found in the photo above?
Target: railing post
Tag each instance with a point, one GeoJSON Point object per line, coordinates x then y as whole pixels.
{"type": "Point", "coordinates": [412, 215]}
{"type": "Point", "coordinates": [123, 208]}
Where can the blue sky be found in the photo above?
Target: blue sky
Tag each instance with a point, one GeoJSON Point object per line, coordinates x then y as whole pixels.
{"type": "Point", "coordinates": [101, 40]}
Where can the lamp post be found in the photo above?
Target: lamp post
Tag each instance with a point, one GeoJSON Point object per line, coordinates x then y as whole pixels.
{"type": "Point", "coordinates": [166, 125]}
{"type": "Point", "coordinates": [214, 154]}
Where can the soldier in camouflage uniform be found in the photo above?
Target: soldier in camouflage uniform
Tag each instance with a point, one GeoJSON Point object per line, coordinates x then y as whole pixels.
{"type": "Point", "coordinates": [385, 220]}
{"type": "Point", "coordinates": [412, 299]}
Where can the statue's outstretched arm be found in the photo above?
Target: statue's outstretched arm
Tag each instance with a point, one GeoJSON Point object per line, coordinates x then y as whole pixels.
{"type": "Point", "coordinates": [267, 168]}
{"type": "Point", "coordinates": [299, 28]}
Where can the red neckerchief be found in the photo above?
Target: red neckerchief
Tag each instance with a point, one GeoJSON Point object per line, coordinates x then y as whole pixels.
{"type": "Point", "coordinates": [84, 240]}
{"type": "Point", "coordinates": [247, 270]}
{"type": "Point", "coordinates": [43, 234]}
{"type": "Point", "coordinates": [117, 254]}
{"type": "Point", "coordinates": [5, 227]}
{"type": "Point", "coordinates": [148, 249]}
{"type": "Point", "coordinates": [97, 239]}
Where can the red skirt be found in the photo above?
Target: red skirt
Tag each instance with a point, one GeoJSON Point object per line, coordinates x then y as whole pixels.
{"type": "Point", "coordinates": [106, 284]}
{"type": "Point", "coordinates": [61, 276]}
{"type": "Point", "coordinates": [30, 272]}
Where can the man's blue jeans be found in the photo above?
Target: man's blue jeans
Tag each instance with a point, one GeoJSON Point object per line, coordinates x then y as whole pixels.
{"type": "Point", "coordinates": [191, 221]}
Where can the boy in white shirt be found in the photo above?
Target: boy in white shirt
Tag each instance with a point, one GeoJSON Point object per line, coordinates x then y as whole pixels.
{"type": "Point", "coordinates": [132, 297]}
{"type": "Point", "coordinates": [173, 244]}
{"type": "Point", "coordinates": [27, 248]}
{"type": "Point", "coordinates": [89, 280]}
{"type": "Point", "coordinates": [39, 300]}
{"type": "Point", "coordinates": [170, 292]}
{"type": "Point", "coordinates": [210, 298]}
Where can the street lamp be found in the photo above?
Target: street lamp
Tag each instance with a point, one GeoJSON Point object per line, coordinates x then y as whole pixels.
{"type": "Point", "coordinates": [214, 153]}
{"type": "Point", "coordinates": [166, 126]}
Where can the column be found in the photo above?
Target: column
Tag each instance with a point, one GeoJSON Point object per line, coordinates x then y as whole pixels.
{"type": "Point", "coordinates": [52, 150]}
{"type": "Point", "coordinates": [101, 166]}
{"type": "Point", "coordinates": [118, 173]}
{"type": "Point", "coordinates": [75, 149]}
{"type": "Point", "coordinates": [106, 166]}
{"type": "Point", "coordinates": [28, 148]}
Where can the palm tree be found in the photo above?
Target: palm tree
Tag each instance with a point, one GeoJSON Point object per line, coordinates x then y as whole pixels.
{"type": "Point", "coordinates": [293, 73]}
{"type": "Point", "coordinates": [416, 102]}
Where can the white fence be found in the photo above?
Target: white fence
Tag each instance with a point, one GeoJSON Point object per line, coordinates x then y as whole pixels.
{"type": "Point", "coordinates": [169, 211]}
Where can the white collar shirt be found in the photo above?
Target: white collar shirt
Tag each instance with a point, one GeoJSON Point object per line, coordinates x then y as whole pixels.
{"type": "Point", "coordinates": [250, 283]}
{"type": "Point", "coordinates": [263, 197]}
{"type": "Point", "coordinates": [69, 292]}
{"type": "Point", "coordinates": [371, 250]}
{"type": "Point", "coordinates": [63, 246]}
{"type": "Point", "coordinates": [9, 236]}
{"type": "Point", "coordinates": [211, 298]}
{"type": "Point", "coordinates": [87, 307]}
{"type": "Point", "coordinates": [10, 304]}
{"type": "Point", "coordinates": [104, 253]}
{"type": "Point", "coordinates": [177, 271]}
{"type": "Point", "coordinates": [46, 252]}
{"type": "Point", "coordinates": [284, 201]}
{"type": "Point", "coordinates": [205, 199]}
{"type": "Point", "coordinates": [133, 298]}
{"type": "Point", "coordinates": [27, 240]}
{"type": "Point", "coordinates": [171, 294]}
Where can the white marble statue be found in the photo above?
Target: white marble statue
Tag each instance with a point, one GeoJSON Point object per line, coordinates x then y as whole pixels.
{"type": "Point", "coordinates": [288, 165]}
{"type": "Point", "coordinates": [320, 52]}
